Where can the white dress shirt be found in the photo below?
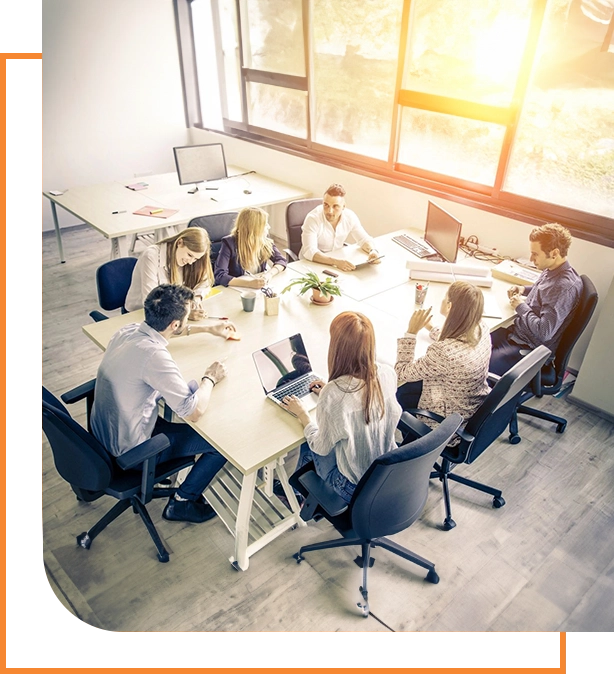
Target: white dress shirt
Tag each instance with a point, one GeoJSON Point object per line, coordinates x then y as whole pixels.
{"type": "Point", "coordinates": [318, 234]}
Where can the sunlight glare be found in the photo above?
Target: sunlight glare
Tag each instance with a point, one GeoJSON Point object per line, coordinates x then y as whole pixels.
{"type": "Point", "coordinates": [499, 50]}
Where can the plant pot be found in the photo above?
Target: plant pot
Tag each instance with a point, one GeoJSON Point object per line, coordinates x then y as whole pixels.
{"type": "Point", "coordinates": [318, 298]}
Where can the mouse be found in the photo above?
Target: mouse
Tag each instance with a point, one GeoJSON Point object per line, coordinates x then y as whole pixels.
{"type": "Point", "coordinates": [247, 191]}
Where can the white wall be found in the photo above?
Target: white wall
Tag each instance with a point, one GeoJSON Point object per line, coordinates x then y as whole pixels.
{"type": "Point", "coordinates": [383, 207]}
{"type": "Point", "coordinates": [112, 96]}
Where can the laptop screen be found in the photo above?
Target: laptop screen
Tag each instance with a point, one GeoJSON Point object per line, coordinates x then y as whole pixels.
{"type": "Point", "coordinates": [282, 362]}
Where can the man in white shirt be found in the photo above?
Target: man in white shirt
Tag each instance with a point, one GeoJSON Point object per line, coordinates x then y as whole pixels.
{"type": "Point", "coordinates": [328, 226]}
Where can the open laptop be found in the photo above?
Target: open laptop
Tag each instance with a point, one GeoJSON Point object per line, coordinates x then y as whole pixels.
{"type": "Point", "coordinates": [284, 369]}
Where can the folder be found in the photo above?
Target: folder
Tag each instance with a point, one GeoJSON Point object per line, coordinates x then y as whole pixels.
{"type": "Point", "coordinates": [156, 211]}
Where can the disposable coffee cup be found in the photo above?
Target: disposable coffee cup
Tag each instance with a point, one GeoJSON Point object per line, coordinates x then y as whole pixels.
{"type": "Point", "coordinates": [421, 289]}
{"type": "Point", "coordinates": [271, 305]}
{"type": "Point", "coordinates": [248, 300]}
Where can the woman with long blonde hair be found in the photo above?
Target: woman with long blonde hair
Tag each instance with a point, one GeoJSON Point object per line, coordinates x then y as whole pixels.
{"type": "Point", "coordinates": [451, 376]}
{"type": "Point", "coordinates": [248, 257]}
{"type": "Point", "coordinates": [357, 410]}
{"type": "Point", "coordinates": [182, 259]}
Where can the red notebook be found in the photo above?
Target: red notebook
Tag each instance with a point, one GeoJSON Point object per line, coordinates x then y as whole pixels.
{"type": "Point", "coordinates": [156, 211]}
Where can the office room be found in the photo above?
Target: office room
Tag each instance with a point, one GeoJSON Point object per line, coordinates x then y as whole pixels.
{"type": "Point", "coordinates": [118, 96]}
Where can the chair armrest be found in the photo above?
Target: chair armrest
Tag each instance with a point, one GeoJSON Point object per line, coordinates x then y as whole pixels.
{"type": "Point", "coordinates": [325, 496]}
{"type": "Point", "coordinates": [290, 256]}
{"type": "Point", "coordinates": [409, 423]}
{"type": "Point", "coordinates": [492, 378]}
{"type": "Point", "coordinates": [80, 392]}
{"type": "Point", "coordinates": [135, 456]}
{"type": "Point", "coordinates": [98, 316]}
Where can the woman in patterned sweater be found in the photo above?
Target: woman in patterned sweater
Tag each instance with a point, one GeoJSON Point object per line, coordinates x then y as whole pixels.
{"type": "Point", "coordinates": [451, 376]}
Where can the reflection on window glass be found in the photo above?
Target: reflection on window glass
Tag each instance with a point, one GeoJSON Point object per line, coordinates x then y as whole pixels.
{"type": "Point", "coordinates": [232, 66]}
{"type": "Point", "coordinates": [278, 109]}
{"type": "Point", "coordinates": [469, 50]}
{"type": "Point", "coordinates": [356, 47]}
{"type": "Point", "coordinates": [275, 36]}
{"type": "Point", "coordinates": [210, 106]}
{"type": "Point", "coordinates": [457, 147]}
{"type": "Point", "coordinates": [564, 147]}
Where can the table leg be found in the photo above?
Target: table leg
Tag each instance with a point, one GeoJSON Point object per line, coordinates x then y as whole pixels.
{"type": "Point", "coordinates": [58, 234]}
{"type": "Point", "coordinates": [115, 249]}
{"type": "Point", "coordinates": [288, 490]}
{"type": "Point", "coordinates": [243, 517]}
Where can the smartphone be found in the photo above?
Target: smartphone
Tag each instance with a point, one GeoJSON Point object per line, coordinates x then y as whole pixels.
{"type": "Point", "coordinates": [328, 272]}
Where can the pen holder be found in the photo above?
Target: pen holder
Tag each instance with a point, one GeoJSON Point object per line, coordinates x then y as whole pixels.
{"type": "Point", "coordinates": [271, 305]}
{"type": "Point", "coordinates": [421, 289]}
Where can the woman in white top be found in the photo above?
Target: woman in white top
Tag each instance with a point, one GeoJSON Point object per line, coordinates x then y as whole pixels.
{"type": "Point", "coordinates": [357, 412]}
{"type": "Point", "coordinates": [180, 259]}
{"type": "Point", "coordinates": [451, 376]}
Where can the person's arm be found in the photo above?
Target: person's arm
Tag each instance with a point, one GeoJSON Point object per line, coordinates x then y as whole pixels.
{"type": "Point", "coordinates": [149, 269]}
{"type": "Point", "coordinates": [219, 329]}
{"type": "Point", "coordinates": [545, 320]}
{"type": "Point", "coordinates": [362, 238]}
{"type": "Point", "coordinates": [340, 263]}
{"type": "Point", "coordinates": [434, 363]}
{"type": "Point", "coordinates": [278, 261]}
{"type": "Point", "coordinates": [222, 264]}
{"type": "Point", "coordinates": [213, 374]}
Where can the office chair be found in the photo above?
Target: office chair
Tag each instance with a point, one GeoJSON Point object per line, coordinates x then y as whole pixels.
{"type": "Point", "coordinates": [93, 472]}
{"type": "Point", "coordinates": [485, 425]}
{"type": "Point", "coordinates": [388, 499]}
{"type": "Point", "coordinates": [113, 280]}
{"type": "Point", "coordinates": [551, 376]}
{"type": "Point", "coordinates": [296, 211]}
{"type": "Point", "coordinates": [217, 227]}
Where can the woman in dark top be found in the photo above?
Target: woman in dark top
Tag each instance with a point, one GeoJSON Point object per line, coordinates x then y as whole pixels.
{"type": "Point", "coordinates": [248, 258]}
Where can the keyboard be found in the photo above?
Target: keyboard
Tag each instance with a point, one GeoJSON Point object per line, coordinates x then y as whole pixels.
{"type": "Point", "coordinates": [413, 246]}
{"type": "Point", "coordinates": [297, 388]}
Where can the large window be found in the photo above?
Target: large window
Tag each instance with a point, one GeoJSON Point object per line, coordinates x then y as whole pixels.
{"type": "Point", "coordinates": [505, 103]}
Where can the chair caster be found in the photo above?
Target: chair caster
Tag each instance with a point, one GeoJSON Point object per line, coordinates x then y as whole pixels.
{"type": "Point", "coordinates": [163, 557]}
{"type": "Point", "coordinates": [364, 607]}
{"type": "Point", "coordinates": [448, 524]}
{"type": "Point", "coordinates": [432, 577]}
{"type": "Point", "coordinates": [299, 558]}
{"type": "Point", "coordinates": [498, 502]}
{"type": "Point", "coordinates": [560, 428]}
{"type": "Point", "coordinates": [84, 541]}
{"type": "Point", "coordinates": [514, 438]}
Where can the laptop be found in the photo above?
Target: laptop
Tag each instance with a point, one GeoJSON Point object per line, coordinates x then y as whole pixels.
{"type": "Point", "coordinates": [284, 369]}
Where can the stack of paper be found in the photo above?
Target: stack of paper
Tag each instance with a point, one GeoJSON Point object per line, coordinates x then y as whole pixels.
{"type": "Point", "coordinates": [447, 272]}
{"type": "Point", "coordinates": [513, 273]}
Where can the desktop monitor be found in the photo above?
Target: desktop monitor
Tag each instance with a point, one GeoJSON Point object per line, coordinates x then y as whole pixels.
{"type": "Point", "coordinates": [442, 232]}
{"type": "Point", "coordinates": [199, 163]}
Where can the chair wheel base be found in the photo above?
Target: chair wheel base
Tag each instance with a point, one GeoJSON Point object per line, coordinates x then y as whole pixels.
{"type": "Point", "coordinates": [561, 427]}
{"type": "Point", "coordinates": [498, 502]}
{"type": "Point", "coordinates": [432, 577]}
{"type": "Point", "coordinates": [163, 557]}
{"type": "Point", "coordinates": [299, 558]}
{"type": "Point", "coordinates": [84, 541]}
{"type": "Point", "coordinates": [364, 607]}
{"type": "Point", "coordinates": [358, 561]}
{"type": "Point", "coordinates": [448, 524]}
{"type": "Point", "coordinates": [514, 439]}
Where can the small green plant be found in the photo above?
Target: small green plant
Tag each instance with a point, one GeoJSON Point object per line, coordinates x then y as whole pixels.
{"type": "Point", "coordinates": [311, 280]}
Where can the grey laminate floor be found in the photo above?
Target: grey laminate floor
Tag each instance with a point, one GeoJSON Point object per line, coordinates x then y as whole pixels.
{"type": "Point", "coordinates": [543, 562]}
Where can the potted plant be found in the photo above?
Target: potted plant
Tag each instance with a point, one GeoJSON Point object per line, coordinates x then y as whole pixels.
{"type": "Point", "coordinates": [323, 290]}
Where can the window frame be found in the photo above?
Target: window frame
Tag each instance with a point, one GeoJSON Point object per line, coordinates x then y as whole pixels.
{"type": "Point", "coordinates": [493, 198]}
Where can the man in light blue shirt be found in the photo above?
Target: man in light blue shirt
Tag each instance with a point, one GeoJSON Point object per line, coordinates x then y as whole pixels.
{"type": "Point", "coordinates": [136, 371]}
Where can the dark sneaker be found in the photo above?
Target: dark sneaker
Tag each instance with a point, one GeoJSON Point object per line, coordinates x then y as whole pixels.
{"type": "Point", "coordinates": [278, 490]}
{"type": "Point", "coordinates": [188, 511]}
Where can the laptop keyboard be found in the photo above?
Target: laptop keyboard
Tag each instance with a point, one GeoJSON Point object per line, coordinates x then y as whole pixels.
{"type": "Point", "coordinates": [295, 388]}
{"type": "Point", "coordinates": [412, 245]}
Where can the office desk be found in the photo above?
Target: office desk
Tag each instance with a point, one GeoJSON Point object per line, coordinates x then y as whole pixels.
{"type": "Point", "coordinates": [249, 430]}
{"type": "Point", "coordinates": [94, 204]}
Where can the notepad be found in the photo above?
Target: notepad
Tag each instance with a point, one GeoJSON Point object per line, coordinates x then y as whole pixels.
{"type": "Point", "coordinates": [156, 211]}
{"type": "Point", "coordinates": [137, 186]}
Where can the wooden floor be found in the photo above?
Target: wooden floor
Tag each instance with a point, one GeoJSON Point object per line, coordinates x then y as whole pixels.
{"type": "Point", "coordinates": [543, 562]}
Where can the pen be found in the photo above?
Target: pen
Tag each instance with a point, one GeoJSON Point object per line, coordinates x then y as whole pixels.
{"type": "Point", "coordinates": [156, 210]}
{"type": "Point", "coordinates": [219, 318]}
{"type": "Point", "coordinates": [116, 212]}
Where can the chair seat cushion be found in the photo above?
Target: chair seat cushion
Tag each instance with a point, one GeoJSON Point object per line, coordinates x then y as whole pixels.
{"type": "Point", "coordinates": [548, 375]}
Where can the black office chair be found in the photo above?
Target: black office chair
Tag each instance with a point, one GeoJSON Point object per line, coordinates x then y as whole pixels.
{"type": "Point", "coordinates": [217, 227]}
{"type": "Point", "coordinates": [113, 281]}
{"type": "Point", "coordinates": [92, 472]}
{"type": "Point", "coordinates": [551, 376]}
{"type": "Point", "coordinates": [296, 212]}
{"type": "Point", "coordinates": [388, 499]}
{"type": "Point", "coordinates": [485, 425]}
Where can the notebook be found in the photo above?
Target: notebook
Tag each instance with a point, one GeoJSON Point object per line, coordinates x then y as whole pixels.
{"type": "Point", "coordinates": [284, 369]}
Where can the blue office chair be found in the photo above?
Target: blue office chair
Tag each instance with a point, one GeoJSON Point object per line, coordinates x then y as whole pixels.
{"type": "Point", "coordinates": [93, 472]}
{"type": "Point", "coordinates": [113, 281]}
{"type": "Point", "coordinates": [388, 499]}
{"type": "Point", "coordinates": [217, 226]}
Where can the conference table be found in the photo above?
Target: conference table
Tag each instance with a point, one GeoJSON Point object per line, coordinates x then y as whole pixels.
{"type": "Point", "coordinates": [110, 207]}
{"type": "Point", "coordinates": [253, 433]}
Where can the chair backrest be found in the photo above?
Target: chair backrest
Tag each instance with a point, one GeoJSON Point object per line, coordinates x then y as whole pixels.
{"type": "Point", "coordinates": [113, 280]}
{"type": "Point", "coordinates": [391, 494]}
{"type": "Point", "coordinates": [79, 458]}
{"type": "Point", "coordinates": [553, 380]}
{"type": "Point", "coordinates": [493, 416]}
{"type": "Point", "coordinates": [296, 212]}
{"type": "Point", "coordinates": [217, 227]}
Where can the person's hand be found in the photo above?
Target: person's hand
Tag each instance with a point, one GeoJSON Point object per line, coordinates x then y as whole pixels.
{"type": "Point", "coordinates": [255, 282]}
{"type": "Point", "coordinates": [514, 290]}
{"type": "Point", "coordinates": [316, 386]}
{"type": "Point", "coordinates": [296, 407]}
{"type": "Point", "coordinates": [515, 300]}
{"type": "Point", "coordinates": [197, 311]}
{"type": "Point", "coordinates": [344, 265]}
{"type": "Point", "coordinates": [222, 329]}
{"type": "Point", "coordinates": [372, 259]}
{"type": "Point", "coordinates": [217, 371]}
{"type": "Point", "coordinates": [419, 319]}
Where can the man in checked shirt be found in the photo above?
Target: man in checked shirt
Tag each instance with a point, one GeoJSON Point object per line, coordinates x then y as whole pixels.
{"type": "Point", "coordinates": [544, 309]}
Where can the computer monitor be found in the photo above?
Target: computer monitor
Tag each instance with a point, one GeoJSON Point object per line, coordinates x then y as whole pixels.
{"type": "Point", "coordinates": [200, 163]}
{"type": "Point", "coordinates": [442, 232]}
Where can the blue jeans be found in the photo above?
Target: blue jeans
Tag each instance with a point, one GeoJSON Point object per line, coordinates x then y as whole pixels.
{"type": "Point", "coordinates": [505, 353]}
{"type": "Point", "coordinates": [186, 442]}
{"type": "Point", "coordinates": [326, 468]}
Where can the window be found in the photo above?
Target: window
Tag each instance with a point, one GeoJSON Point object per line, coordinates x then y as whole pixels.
{"type": "Point", "coordinates": [503, 103]}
